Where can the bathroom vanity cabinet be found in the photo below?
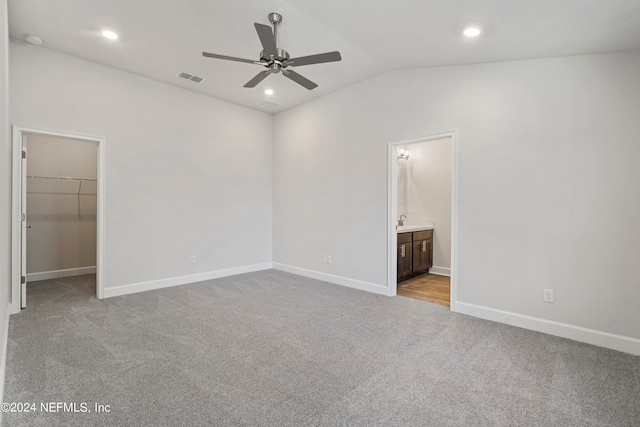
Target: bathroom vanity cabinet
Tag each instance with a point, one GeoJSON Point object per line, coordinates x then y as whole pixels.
{"type": "Point", "coordinates": [415, 253]}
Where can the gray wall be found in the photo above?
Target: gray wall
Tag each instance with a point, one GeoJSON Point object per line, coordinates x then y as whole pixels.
{"type": "Point", "coordinates": [63, 223]}
{"type": "Point", "coordinates": [548, 182]}
{"type": "Point", "coordinates": [5, 187]}
{"type": "Point", "coordinates": [186, 174]}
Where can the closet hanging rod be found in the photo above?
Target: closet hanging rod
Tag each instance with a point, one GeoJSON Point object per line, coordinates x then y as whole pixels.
{"type": "Point", "coordinates": [74, 178]}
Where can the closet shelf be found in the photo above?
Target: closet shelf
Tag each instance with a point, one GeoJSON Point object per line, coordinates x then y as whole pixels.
{"type": "Point", "coordinates": [61, 177]}
{"type": "Point", "coordinates": [61, 185]}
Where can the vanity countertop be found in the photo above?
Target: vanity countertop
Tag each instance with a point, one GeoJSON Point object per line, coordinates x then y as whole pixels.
{"type": "Point", "coordinates": [409, 228]}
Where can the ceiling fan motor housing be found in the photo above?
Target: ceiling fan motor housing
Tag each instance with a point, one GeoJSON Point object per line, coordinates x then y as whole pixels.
{"type": "Point", "coordinates": [276, 63]}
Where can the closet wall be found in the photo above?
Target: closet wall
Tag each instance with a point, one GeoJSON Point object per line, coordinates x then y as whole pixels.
{"type": "Point", "coordinates": [61, 213]}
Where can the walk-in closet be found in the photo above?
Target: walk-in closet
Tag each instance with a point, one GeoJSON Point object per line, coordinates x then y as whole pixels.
{"type": "Point", "coordinates": [61, 201]}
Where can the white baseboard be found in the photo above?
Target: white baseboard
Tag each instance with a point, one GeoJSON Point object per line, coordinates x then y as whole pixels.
{"type": "Point", "coordinates": [338, 280]}
{"type": "Point", "coordinates": [181, 280]}
{"type": "Point", "coordinates": [56, 274]}
{"type": "Point", "coordinates": [3, 361]}
{"type": "Point", "coordinates": [441, 271]}
{"type": "Point", "coordinates": [564, 330]}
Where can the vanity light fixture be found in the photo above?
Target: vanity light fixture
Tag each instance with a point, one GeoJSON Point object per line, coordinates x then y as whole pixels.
{"type": "Point", "coordinates": [402, 154]}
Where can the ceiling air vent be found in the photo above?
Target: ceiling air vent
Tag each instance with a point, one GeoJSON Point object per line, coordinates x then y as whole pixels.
{"type": "Point", "coordinates": [191, 77]}
{"type": "Point", "coordinates": [265, 103]}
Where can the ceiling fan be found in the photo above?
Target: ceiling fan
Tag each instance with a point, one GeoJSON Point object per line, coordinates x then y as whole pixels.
{"type": "Point", "coordinates": [275, 59]}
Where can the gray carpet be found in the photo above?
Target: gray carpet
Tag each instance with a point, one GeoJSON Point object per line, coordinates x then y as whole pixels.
{"type": "Point", "coordinates": [271, 348]}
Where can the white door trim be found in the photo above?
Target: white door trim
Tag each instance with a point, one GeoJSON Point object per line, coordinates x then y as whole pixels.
{"type": "Point", "coordinates": [23, 224]}
{"type": "Point", "coordinates": [392, 211]}
{"type": "Point", "coordinates": [16, 213]}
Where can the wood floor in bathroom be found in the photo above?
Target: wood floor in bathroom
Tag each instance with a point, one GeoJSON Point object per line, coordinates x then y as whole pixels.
{"type": "Point", "coordinates": [427, 287]}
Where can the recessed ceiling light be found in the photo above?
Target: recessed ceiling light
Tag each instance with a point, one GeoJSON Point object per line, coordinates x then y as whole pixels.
{"type": "Point", "coordinates": [472, 31]}
{"type": "Point", "coordinates": [268, 91]}
{"type": "Point", "coordinates": [110, 34]}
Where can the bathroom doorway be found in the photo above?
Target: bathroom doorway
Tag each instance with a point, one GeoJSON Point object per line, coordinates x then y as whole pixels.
{"type": "Point", "coordinates": [422, 204]}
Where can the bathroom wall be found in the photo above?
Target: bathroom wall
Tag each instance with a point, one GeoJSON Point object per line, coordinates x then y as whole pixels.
{"type": "Point", "coordinates": [62, 214]}
{"type": "Point", "coordinates": [429, 195]}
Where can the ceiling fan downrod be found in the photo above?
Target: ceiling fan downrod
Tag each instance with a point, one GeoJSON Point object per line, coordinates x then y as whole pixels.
{"type": "Point", "coordinates": [276, 61]}
{"type": "Point", "coordinates": [275, 19]}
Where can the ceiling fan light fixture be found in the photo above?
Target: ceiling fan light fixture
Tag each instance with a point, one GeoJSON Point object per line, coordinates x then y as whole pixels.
{"type": "Point", "coordinates": [268, 92]}
{"type": "Point", "coordinates": [472, 32]}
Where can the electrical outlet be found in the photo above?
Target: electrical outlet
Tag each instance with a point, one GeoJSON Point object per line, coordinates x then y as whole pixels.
{"type": "Point", "coordinates": [328, 259]}
{"type": "Point", "coordinates": [193, 259]}
{"type": "Point", "coordinates": [324, 259]}
{"type": "Point", "coordinates": [548, 295]}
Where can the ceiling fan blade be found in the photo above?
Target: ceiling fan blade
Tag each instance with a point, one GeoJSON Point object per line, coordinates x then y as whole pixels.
{"type": "Point", "coordinates": [228, 58]}
{"type": "Point", "coordinates": [315, 59]}
{"type": "Point", "coordinates": [258, 78]}
{"type": "Point", "coordinates": [267, 39]}
{"type": "Point", "coordinates": [303, 81]}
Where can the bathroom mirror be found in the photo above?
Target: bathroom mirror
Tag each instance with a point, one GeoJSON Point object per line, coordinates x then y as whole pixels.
{"type": "Point", "coordinates": [403, 177]}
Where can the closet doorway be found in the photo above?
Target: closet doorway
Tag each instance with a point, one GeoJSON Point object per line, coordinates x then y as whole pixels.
{"type": "Point", "coordinates": [58, 201]}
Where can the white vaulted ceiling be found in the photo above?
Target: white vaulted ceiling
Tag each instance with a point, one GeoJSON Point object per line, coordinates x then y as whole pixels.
{"type": "Point", "coordinates": [159, 39]}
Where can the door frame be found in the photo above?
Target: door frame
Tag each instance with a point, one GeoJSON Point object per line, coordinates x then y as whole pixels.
{"type": "Point", "coordinates": [392, 211]}
{"type": "Point", "coordinates": [19, 132]}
